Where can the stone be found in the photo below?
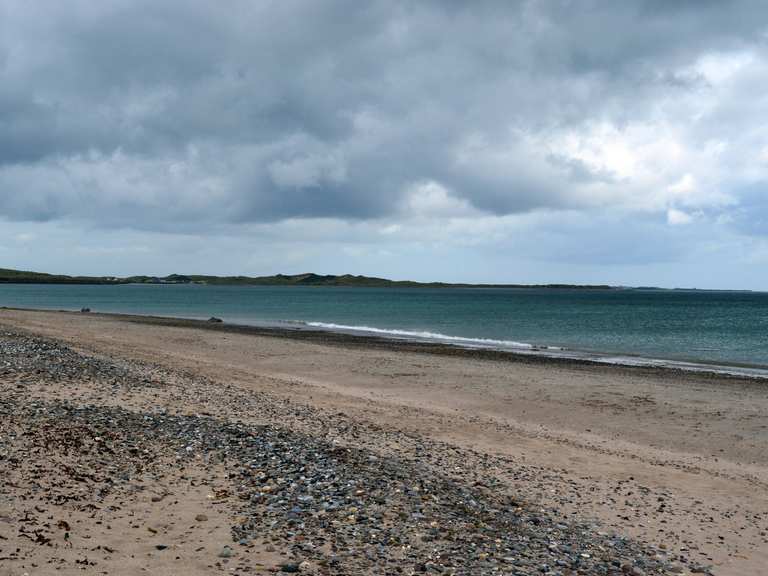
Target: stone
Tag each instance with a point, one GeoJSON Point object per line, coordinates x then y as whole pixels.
{"type": "Point", "coordinates": [226, 552]}
{"type": "Point", "coordinates": [297, 493]}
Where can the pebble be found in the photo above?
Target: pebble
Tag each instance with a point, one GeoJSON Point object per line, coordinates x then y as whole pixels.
{"type": "Point", "coordinates": [226, 552]}
{"type": "Point", "coordinates": [337, 506]}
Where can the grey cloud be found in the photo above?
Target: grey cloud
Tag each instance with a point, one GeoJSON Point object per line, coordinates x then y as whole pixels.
{"type": "Point", "coordinates": [611, 242]}
{"type": "Point", "coordinates": [292, 109]}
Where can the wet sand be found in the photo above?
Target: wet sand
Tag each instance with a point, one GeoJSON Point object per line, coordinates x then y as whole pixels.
{"type": "Point", "coordinates": [676, 461]}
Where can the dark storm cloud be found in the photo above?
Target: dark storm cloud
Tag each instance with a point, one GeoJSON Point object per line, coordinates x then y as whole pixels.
{"type": "Point", "coordinates": [153, 115]}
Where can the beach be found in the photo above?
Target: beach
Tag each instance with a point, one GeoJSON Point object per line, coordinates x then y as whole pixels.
{"type": "Point", "coordinates": [171, 446]}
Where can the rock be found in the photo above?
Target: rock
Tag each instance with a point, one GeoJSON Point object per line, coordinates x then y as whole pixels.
{"type": "Point", "coordinates": [161, 546]}
{"type": "Point", "coordinates": [85, 310]}
{"type": "Point", "coordinates": [335, 509]}
{"type": "Point", "coordinates": [214, 320]}
{"type": "Point", "coordinates": [226, 552]}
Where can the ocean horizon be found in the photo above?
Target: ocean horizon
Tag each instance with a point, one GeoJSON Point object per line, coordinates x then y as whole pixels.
{"type": "Point", "coordinates": [696, 330]}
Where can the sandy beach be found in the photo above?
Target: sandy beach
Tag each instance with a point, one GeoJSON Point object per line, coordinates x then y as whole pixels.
{"type": "Point", "coordinates": [158, 446]}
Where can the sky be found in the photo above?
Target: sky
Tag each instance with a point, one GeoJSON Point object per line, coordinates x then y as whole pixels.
{"type": "Point", "coordinates": [489, 141]}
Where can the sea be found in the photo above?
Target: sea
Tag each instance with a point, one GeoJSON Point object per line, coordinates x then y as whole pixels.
{"type": "Point", "coordinates": [688, 329]}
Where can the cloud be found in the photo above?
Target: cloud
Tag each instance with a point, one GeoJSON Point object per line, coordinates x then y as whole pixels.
{"type": "Point", "coordinates": [751, 215]}
{"type": "Point", "coordinates": [678, 217]}
{"type": "Point", "coordinates": [341, 117]}
{"type": "Point", "coordinates": [431, 200]}
{"type": "Point", "coordinates": [191, 118]}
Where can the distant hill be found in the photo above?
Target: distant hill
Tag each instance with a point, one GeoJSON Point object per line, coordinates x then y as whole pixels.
{"type": "Point", "coordinates": [24, 277]}
{"type": "Point", "coordinates": [309, 279]}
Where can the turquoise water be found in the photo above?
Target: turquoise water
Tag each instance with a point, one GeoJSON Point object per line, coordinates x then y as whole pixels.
{"type": "Point", "coordinates": [711, 327]}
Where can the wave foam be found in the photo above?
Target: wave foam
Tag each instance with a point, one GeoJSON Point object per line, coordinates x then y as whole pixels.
{"type": "Point", "coordinates": [434, 336]}
{"type": "Point", "coordinates": [551, 351]}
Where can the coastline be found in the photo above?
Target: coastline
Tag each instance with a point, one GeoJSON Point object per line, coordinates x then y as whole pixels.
{"type": "Point", "coordinates": [370, 339]}
{"type": "Point", "coordinates": [675, 462]}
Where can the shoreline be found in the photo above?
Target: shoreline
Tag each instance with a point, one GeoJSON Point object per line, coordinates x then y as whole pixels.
{"type": "Point", "coordinates": [192, 493]}
{"type": "Point", "coordinates": [536, 355]}
{"type": "Point", "coordinates": [673, 462]}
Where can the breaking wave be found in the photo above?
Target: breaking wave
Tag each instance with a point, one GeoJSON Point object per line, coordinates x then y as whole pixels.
{"type": "Point", "coordinates": [423, 335]}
